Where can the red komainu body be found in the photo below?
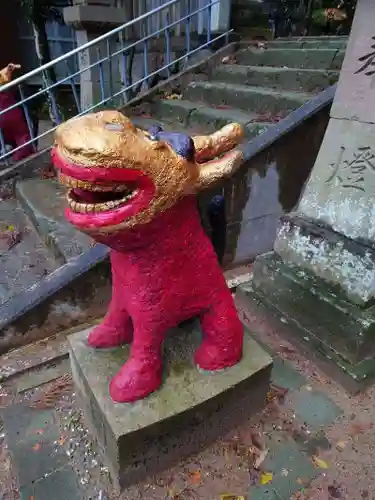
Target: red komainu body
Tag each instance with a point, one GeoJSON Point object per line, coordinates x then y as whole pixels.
{"type": "Point", "coordinates": [135, 191]}
{"type": "Point", "coordinates": [163, 273]}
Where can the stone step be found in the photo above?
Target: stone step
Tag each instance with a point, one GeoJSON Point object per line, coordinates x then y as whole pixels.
{"type": "Point", "coordinates": [190, 410]}
{"type": "Point", "coordinates": [24, 260]}
{"type": "Point", "coordinates": [204, 119]}
{"type": "Point", "coordinates": [343, 333]}
{"type": "Point", "coordinates": [292, 58]}
{"type": "Point", "coordinates": [44, 203]}
{"type": "Point", "coordinates": [247, 98]}
{"type": "Point", "coordinates": [304, 43]}
{"type": "Point", "coordinates": [307, 80]}
{"type": "Point", "coordinates": [145, 123]}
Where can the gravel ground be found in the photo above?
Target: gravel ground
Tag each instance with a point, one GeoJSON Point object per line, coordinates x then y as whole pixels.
{"type": "Point", "coordinates": [346, 461]}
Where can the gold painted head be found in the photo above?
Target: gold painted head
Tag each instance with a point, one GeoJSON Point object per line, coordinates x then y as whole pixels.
{"type": "Point", "coordinates": [6, 74]}
{"type": "Point", "coordinates": [120, 176]}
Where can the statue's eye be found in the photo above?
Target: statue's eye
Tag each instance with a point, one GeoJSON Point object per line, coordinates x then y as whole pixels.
{"type": "Point", "coordinates": [116, 127]}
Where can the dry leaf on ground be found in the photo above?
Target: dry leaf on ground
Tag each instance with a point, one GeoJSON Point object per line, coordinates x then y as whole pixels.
{"type": "Point", "coordinates": [266, 478]}
{"type": "Point", "coordinates": [322, 464]}
{"type": "Point", "coordinates": [195, 476]}
{"type": "Point", "coordinates": [52, 394]}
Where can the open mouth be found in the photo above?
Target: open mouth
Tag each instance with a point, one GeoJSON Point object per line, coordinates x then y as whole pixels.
{"type": "Point", "coordinates": [99, 197]}
{"type": "Point", "coordinates": [87, 198]}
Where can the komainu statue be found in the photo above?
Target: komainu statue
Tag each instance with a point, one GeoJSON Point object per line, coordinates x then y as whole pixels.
{"type": "Point", "coordinates": [12, 123]}
{"type": "Point", "coordinates": [135, 191]}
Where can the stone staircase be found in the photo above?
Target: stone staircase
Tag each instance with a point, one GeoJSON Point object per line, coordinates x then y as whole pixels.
{"type": "Point", "coordinates": [257, 86]}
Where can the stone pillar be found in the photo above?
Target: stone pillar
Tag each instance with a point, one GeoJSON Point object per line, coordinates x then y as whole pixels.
{"type": "Point", "coordinates": [321, 276]}
{"type": "Point", "coordinates": [92, 19]}
{"type": "Point", "coordinates": [220, 16]}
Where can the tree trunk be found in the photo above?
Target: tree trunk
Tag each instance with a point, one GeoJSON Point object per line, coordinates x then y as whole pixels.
{"type": "Point", "coordinates": [309, 12]}
{"type": "Point", "coordinates": [44, 55]}
{"type": "Point", "coordinates": [349, 6]}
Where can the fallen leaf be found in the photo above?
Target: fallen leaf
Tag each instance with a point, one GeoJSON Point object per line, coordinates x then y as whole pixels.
{"type": "Point", "coordinates": [172, 495]}
{"type": "Point", "coordinates": [266, 478]}
{"type": "Point", "coordinates": [48, 172]}
{"type": "Point", "coordinates": [195, 476]}
{"type": "Point", "coordinates": [229, 496]}
{"type": "Point", "coordinates": [51, 395]}
{"type": "Point", "coordinates": [172, 97]}
{"type": "Point", "coordinates": [37, 447]}
{"type": "Point", "coordinates": [359, 428]}
{"type": "Point", "coordinates": [10, 236]}
{"type": "Point", "coordinates": [319, 462]}
{"type": "Point", "coordinates": [341, 445]}
{"type": "Point", "coordinates": [276, 392]}
{"type": "Point", "coordinates": [287, 349]}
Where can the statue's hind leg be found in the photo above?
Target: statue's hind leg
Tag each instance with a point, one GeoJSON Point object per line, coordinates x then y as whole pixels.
{"type": "Point", "coordinates": [115, 329]}
{"type": "Point", "coordinates": [222, 330]}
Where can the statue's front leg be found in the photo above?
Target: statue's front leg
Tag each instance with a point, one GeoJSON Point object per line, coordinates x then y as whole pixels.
{"type": "Point", "coordinates": [116, 327]}
{"type": "Point", "coordinates": [142, 373]}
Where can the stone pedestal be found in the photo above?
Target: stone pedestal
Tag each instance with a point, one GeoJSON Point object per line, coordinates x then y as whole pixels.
{"type": "Point", "coordinates": [92, 19]}
{"type": "Point", "coordinates": [187, 412]}
{"type": "Point", "coordinates": [321, 277]}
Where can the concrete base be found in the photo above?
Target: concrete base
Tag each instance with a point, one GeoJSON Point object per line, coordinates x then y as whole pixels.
{"type": "Point", "coordinates": [189, 411]}
{"type": "Point", "coordinates": [317, 313]}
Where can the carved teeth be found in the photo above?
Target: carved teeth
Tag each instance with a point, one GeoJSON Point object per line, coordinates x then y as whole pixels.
{"type": "Point", "coordinates": [75, 183]}
{"type": "Point", "coordinates": [76, 206]}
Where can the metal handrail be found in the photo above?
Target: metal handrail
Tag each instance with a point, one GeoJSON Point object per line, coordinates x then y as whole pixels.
{"type": "Point", "coordinates": [105, 87]}
{"type": "Point", "coordinates": [85, 46]}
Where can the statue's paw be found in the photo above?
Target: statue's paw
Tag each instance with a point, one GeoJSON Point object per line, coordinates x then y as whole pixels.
{"type": "Point", "coordinates": [134, 381]}
{"type": "Point", "coordinates": [211, 357]}
{"type": "Point", "coordinates": [106, 336]}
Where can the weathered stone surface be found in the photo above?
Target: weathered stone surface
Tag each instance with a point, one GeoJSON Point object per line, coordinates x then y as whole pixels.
{"type": "Point", "coordinates": [67, 243]}
{"type": "Point", "coordinates": [293, 58]}
{"type": "Point", "coordinates": [44, 202]}
{"type": "Point", "coordinates": [341, 189]}
{"type": "Point", "coordinates": [24, 260]}
{"type": "Point", "coordinates": [60, 485]}
{"type": "Point", "coordinates": [287, 456]}
{"type": "Point", "coordinates": [307, 80]}
{"type": "Point", "coordinates": [190, 409]}
{"type": "Point", "coordinates": [204, 119]}
{"type": "Point", "coordinates": [329, 255]}
{"type": "Point", "coordinates": [256, 99]}
{"type": "Point", "coordinates": [341, 332]}
{"type": "Point", "coordinates": [41, 375]}
{"type": "Point", "coordinates": [314, 408]}
{"type": "Point", "coordinates": [320, 42]}
{"type": "Point", "coordinates": [354, 98]}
